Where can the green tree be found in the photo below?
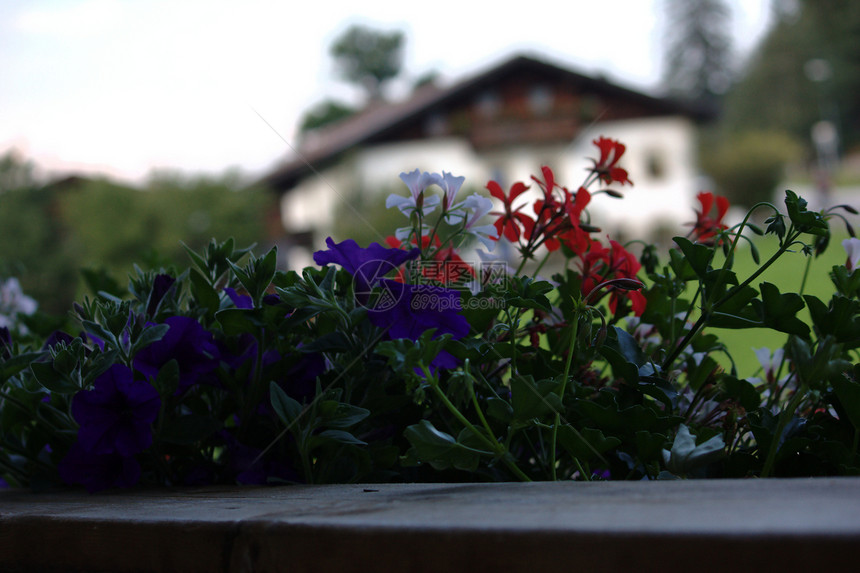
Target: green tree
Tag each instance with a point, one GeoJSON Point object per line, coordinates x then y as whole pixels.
{"type": "Point", "coordinates": [34, 237]}
{"type": "Point", "coordinates": [698, 49]}
{"type": "Point", "coordinates": [115, 227]}
{"type": "Point", "coordinates": [324, 113]}
{"type": "Point", "coordinates": [806, 69]}
{"type": "Point", "coordinates": [368, 58]}
{"type": "Point", "coordinates": [16, 172]}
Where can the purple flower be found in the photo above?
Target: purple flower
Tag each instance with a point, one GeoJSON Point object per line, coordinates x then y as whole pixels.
{"type": "Point", "coordinates": [239, 300]}
{"type": "Point", "coordinates": [57, 337]}
{"type": "Point", "coordinates": [160, 286]}
{"type": "Point", "coordinates": [405, 310]}
{"type": "Point", "coordinates": [299, 382]}
{"type": "Point", "coordinates": [117, 414]}
{"type": "Point", "coordinates": [418, 308]}
{"type": "Point", "coordinates": [187, 342]}
{"type": "Point", "coordinates": [98, 471]}
{"type": "Point", "coordinates": [366, 265]}
{"type": "Point", "coordinates": [245, 301]}
{"type": "Point", "coordinates": [413, 309]}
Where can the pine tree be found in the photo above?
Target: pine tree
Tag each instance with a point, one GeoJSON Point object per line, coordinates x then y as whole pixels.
{"type": "Point", "coordinates": [698, 49]}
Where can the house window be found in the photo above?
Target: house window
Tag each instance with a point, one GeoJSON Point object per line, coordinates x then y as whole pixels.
{"type": "Point", "coordinates": [655, 164]}
{"type": "Point", "coordinates": [540, 100]}
{"type": "Point", "coordinates": [489, 104]}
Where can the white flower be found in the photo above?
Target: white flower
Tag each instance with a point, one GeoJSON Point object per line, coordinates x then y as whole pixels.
{"type": "Point", "coordinates": [450, 185]}
{"type": "Point", "coordinates": [770, 362]}
{"type": "Point", "coordinates": [480, 206]}
{"type": "Point", "coordinates": [417, 182]}
{"type": "Point", "coordinates": [852, 247]}
{"type": "Point", "coordinates": [13, 301]}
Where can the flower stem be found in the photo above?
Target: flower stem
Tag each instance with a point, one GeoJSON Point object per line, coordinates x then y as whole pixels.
{"type": "Point", "coordinates": [574, 331]}
{"type": "Point", "coordinates": [493, 445]}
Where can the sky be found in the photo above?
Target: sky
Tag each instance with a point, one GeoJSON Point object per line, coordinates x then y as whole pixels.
{"type": "Point", "coordinates": [126, 87]}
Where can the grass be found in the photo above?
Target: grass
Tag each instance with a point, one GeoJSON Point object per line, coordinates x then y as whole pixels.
{"type": "Point", "coordinates": [787, 274]}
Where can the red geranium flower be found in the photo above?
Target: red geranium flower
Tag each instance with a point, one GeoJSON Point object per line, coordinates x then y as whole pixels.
{"type": "Point", "coordinates": [600, 264]}
{"type": "Point", "coordinates": [706, 228]}
{"type": "Point", "coordinates": [509, 222]}
{"type": "Point", "coordinates": [606, 167]}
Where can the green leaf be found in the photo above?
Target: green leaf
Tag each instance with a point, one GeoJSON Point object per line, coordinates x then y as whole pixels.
{"type": "Point", "coordinates": [12, 366]}
{"type": "Point", "coordinates": [848, 392]}
{"type": "Point", "coordinates": [204, 294]}
{"type": "Point", "coordinates": [53, 380]}
{"type": "Point", "coordinates": [623, 354]}
{"type": "Point", "coordinates": [339, 415]}
{"type": "Point", "coordinates": [440, 449]}
{"type": "Point", "coordinates": [805, 221]}
{"type": "Point", "coordinates": [101, 332]}
{"type": "Point", "coordinates": [340, 436]}
{"type": "Point", "coordinates": [697, 255]}
{"type": "Point", "coordinates": [681, 266]}
{"type": "Point", "coordinates": [686, 456]}
{"type": "Point", "coordinates": [532, 399]}
{"type": "Point", "coordinates": [500, 409]}
{"type": "Point", "coordinates": [149, 335]}
{"type": "Point", "coordinates": [840, 319]}
{"type": "Point", "coordinates": [287, 409]}
{"type": "Point", "coordinates": [741, 390]}
{"type": "Point", "coordinates": [587, 444]}
{"type": "Point", "coordinates": [429, 443]}
{"type": "Point", "coordinates": [528, 293]}
{"type": "Point", "coordinates": [238, 321]}
{"type": "Point", "coordinates": [167, 380]}
{"type": "Point", "coordinates": [778, 311]}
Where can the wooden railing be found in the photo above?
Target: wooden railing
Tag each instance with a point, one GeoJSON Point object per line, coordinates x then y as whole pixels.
{"type": "Point", "coordinates": [699, 526]}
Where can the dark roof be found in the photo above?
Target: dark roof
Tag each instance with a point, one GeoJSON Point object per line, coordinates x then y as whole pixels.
{"type": "Point", "coordinates": [374, 124]}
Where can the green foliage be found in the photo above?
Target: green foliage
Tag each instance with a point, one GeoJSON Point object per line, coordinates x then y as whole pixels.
{"type": "Point", "coordinates": [53, 231]}
{"type": "Point", "coordinates": [748, 166]}
{"type": "Point", "coordinates": [776, 92]}
{"type": "Point", "coordinates": [324, 113]}
{"type": "Point", "coordinates": [368, 57]}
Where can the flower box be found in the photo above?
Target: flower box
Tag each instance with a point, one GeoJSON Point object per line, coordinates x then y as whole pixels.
{"type": "Point", "coordinates": [420, 361]}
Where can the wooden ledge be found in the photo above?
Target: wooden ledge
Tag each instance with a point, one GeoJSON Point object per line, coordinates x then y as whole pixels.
{"type": "Point", "coordinates": [716, 525]}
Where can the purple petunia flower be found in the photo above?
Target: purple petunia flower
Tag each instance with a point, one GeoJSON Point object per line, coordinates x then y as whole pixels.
{"type": "Point", "coordinates": [239, 300]}
{"type": "Point", "coordinates": [98, 471]}
{"type": "Point", "coordinates": [160, 286]}
{"type": "Point", "coordinates": [117, 414]}
{"type": "Point", "coordinates": [366, 265]}
{"type": "Point", "coordinates": [417, 308]}
{"type": "Point", "coordinates": [406, 311]}
{"type": "Point", "coordinates": [57, 337]}
{"type": "Point", "coordinates": [187, 342]}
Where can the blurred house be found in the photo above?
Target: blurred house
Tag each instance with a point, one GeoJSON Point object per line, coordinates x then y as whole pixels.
{"type": "Point", "coordinates": [502, 124]}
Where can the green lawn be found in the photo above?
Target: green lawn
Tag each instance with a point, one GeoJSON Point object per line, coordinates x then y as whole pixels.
{"type": "Point", "coordinates": [787, 275]}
